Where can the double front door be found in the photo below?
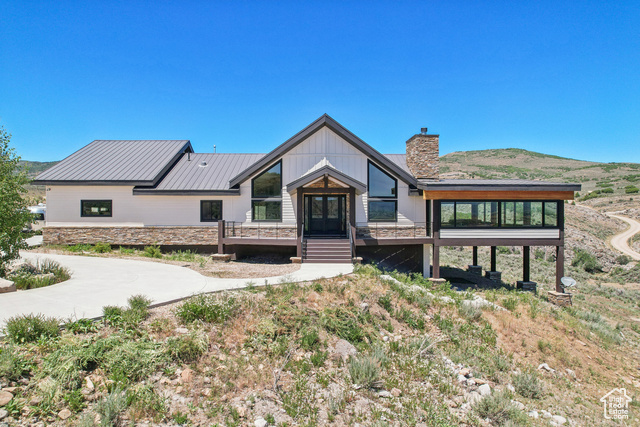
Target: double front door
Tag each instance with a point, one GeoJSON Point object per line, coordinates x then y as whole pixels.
{"type": "Point", "coordinates": [325, 215]}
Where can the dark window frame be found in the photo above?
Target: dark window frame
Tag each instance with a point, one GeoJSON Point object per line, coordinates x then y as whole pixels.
{"type": "Point", "coordinates": [559, 216]}
{"type": "Point", "coordinates": [83, 215]}
{"type": "Point", "coordinates": [381, 198]}
{"type": "Point", "coordinates": [266, 199]}
{"type": "Point", "coordinates": [202, 219]}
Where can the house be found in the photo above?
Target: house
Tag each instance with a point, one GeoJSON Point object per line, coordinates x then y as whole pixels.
{"type": "Point", "coordinates": [324, 195]}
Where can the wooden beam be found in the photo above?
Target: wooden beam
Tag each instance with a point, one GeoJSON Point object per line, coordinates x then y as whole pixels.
{"type": "Point", "coordinates": [497, 195]}
{"type": "Point", "coordinates": [436, 262]}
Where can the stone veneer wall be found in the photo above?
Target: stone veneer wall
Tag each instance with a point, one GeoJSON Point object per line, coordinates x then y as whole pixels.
{"type": "Point", "coordinates": [186, 236]}
{"type": "Point", "coordinates": [423, 153]}
{"type": "Point", "coordinates": [386, 232]}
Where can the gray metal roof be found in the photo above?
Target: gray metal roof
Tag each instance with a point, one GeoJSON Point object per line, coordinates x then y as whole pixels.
{"type": "Point", "coordinates": [400, 160]}
{"type": "Point", "coordinates": [202, 173]}
{"type": "Point", "coordinates": [496, 185]}
{"type": "Point", "coordinates": [329, 171]}
{"type": "Point", "coordinates": [116, 162]}
{"type": "Point", "coordinates": [344, 133]}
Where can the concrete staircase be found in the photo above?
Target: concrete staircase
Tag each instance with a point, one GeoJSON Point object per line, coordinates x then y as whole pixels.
{"type": "Point", "coordinates": [326, 251]}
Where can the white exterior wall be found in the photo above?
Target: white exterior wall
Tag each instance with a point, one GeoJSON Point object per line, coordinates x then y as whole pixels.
{"type": "Point", "coordinates": [323, 147]}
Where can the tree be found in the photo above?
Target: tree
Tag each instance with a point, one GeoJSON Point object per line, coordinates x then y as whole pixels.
{"type": "Point", "coordinates": [14, 215]}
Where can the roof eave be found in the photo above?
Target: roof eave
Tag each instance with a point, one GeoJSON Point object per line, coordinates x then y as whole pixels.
{"type": "Point", "coordinates": [153, 192]}
{"type": "Point", "coordinates": [329, 171]}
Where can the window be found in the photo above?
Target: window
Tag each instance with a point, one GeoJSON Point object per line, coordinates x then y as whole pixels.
{"type": "Point", "coordinates": [95, 208]}
{"type": "Point", "coordinates": [266, 195]}
{"type": "Point", "coordinates": [210, 210]}
{"type": "Point", "coordinates": [507, 214]}
{"type": "Point", "coordinates": [383, 195]}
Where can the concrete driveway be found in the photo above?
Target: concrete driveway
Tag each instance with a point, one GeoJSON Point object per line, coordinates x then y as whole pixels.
{"type": "Point", "coordinates": [96, 282]}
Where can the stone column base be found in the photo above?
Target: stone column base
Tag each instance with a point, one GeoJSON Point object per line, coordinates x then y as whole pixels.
{"type": "Point", "coordinates": [526, 286]}
{"type": "Point", "coordinates": [221, 257]}
{"type": "Point", "coordinates": [475, 269]}
{"type": "Point", "coordinates": [296, 260]}
{"type": "Point", "coordinates": [437, 281]}
{"type": "Point", "coordinates": [356, 260]}
{"type": "Point", "coordinates": [496, 276]}
{"type": "Point", "coordinates": [558, 298]}
{"type": "Point", "coordinates": [7, 286]}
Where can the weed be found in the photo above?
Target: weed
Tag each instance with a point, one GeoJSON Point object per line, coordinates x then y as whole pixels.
{"type": "Point", "coordinates": [543, 346]}
{"type": "Point", "coordinates": [180, 418]}
{"type": "Point", "coordinates": [586, 260]}
{"type": "Point", "coordinates": [188, 347]}
{"type": "Point", "coordinates": [126, 251]}
{"type": "Point", "coordinates": [144, 401]}
{"type": "Point", "coordinates": [133, 360]}
{"type": "Point", "coordinates": [310, 340]}
{"type": "Point", "coordinates": [498, 408]}
{"type": "Point", "coordinates": [318, 358]}
{"type": "Point", "coordinates": [74, 400]}
{"type": "Point", "coordinates": [79, 248]}
{"type": "Point", "coordinates": [111, 407]}
{"type": "Point", "coordinates": [13, 365]}
{"type": "Point", "coordinates": [270, 419]}
{"type": "Point", "coordinates": [385, 302]}
{"type": "Point", "coordinates": [45, 272]}
{"type": "Point", "coordinates": [207, 308]}
{"type": "Point", "coordinates": [342, 322]}
{"type": "Point", "coordinates": [528, 385]}
{"type": "Point", "coordinates": [161, 324]}
{"type": "Point", "coordinates": [31, 327]}
{"type": "Point", "coordinates": [534, 308]}
{"type": "Point", "coordinates": [623, 259]}
{"type": "Point", "coordinates": [101, 248]}
{"type": "Point", "coordinates": [81, 326]}
{"type": "Point", "coordinates": [152, 251]}
{"type": "Point", "coordinates": [470, 312]}
{"type": "Point", "coordinates": [139, 302]}
{"type": "Point", "coordinates": [510, 303]}
{"type": "Point", "coordinates": [365, 369]}
{"type": "Point", "coordinates": [317, 287]}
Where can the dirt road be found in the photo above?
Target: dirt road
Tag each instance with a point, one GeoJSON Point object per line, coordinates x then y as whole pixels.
{"type": "Point", "coordinates": [621, 241]}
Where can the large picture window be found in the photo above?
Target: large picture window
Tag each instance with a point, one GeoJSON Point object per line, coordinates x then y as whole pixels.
{"type": "Point", "coordinates": [266, 195]}
{"type": "Point", "coordinates": [89, 208]}
{"type": "Point", "coordinates": [505, 214]}
{"type": "Point", "coordinates": [210, 210]}
{"type": "Point", "coordinates": [383, 195]}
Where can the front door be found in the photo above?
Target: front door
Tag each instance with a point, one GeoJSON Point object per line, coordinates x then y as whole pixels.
{"type": "Point", "coordinates": [325, 215]}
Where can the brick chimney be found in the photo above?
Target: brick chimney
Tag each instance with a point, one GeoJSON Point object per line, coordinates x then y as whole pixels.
{"type": "Point", "coordinates": [423, 151]}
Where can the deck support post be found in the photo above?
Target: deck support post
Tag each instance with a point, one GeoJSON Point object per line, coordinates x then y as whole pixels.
{"type": "Point", "coordinates": [526, 263]}
{"type": "Point", "coordinates": [221, 236]}
{"type": "Point", "coordinates": [426, 260]}
{"type": "Point", "coordinates": [475, 255]}
{"type": "Point", "coordinates": [436, 262]}
{"type": "Point", "coordinates": [493, 259]}
{"type": "Point", "coordinates": [300, 213]}
{"type": "Point", "coordinates": [559, 267]}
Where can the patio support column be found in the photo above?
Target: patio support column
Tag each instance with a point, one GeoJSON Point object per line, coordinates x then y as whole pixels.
{"type": "Point", "coordinates": [526, 263]}
{"type": "Point", "coordinates": [493, 259]}
{"type": "Point", "coordinates": [436, 261]}
{"type": "Point", "coordinates": [426, 260]}
{"type": "Point", "coordinates": [475, 255]}
{"type": "Point", "coordinates": [300, 214]}
{"type": "Point", "coordinates": [559, 267]}
{"type": "Point", "coordinates": [220, 237]}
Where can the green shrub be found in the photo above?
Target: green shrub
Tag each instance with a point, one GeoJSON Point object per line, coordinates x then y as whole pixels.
{"type": "Point", "coordinates": [74, 400]}
{"type": "Point", "coordinates": [498, 408]}
{"type": "Point", "coordinates": [185, 256]}
{"type": "Point", "coordinates": [79, 248]}
{"type": "Point", "coordinates": [365, 371]}
{"type": "Point", "coordinates": [623, 259]}
{"type": "Point", "coordinates": [310, 340]}
{"type": "Point", "coordinates": [152, 251]}
{"type": "Point", "coordinates": [470, 312]}
{"type": "Point", "coordinates": [43, 273]}
{"type": "Point", "coordinates": [344, 323]}
{"type": "Point", "coordinates": [631, 189]}
{"type": "Point", "coordinates": [13, 365]}
{"type": "Point", "coordinates": [81, 326]}
{"type": "Point", "coordinates": [133, 361]}
{"type": "Point", "coordinates": [385, 302]}
{"type": "Point", "coordinates": [188, 347]}
{"type": "Point", "coordinates": [528, 385]}
{"type": "Point", "coordinates": [607, 191]}
{"type": "Point", "coordinates": [207, 308]}
{"type": "Point", "coordinates": [586, 260]}
{"type": "Point", "coordinates": [101, 248]}
{"type": "Point", "coordinates": [510, 303]}
{"type": "Point", "coordinates": [111, 408]}
{"type": "Point", "coordinates": [112, 314]}
{"type": "Point", "coordinates": [139, 302]}
{"type": "Point", "coordinates": [503, 250]}
{"type": "Point", "coordinates": [66, 364]}
{"type": "Point", "coordinates": [145, 402]}
{"type": "Point", "coordinates": [126, 251]}
{"type": "Point", "coordinates": [31, 327]}
{"type": "Point", "coordinates": [318, 358]}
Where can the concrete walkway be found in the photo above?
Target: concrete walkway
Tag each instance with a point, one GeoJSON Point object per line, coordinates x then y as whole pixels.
{"type": "Point", "coordinates": [96, 282]}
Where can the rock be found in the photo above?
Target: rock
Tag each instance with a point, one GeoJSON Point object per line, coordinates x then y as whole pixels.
{"type": "Point", "coordinates": [462, 379]}
{"type": "Point", "coordinates": [11, 390]}
{"type": "Point", "coordinates": [545, 414]}
{"type": "Point", "coordinates": [465, 371]}
{"type": "Point", "coordinates": [546, 368]}
{"type": "Point", "coordinates": [179, 389]}
{"type": "Point", "coordinates": [181, 331]}
{"type": "Point", "coordinates": [571, 373]}
{"type": "Point", "coordinates": [364, 307]}
{"type": "Point", "coordinates": [511, 388]}
{"type": "Point", "coordinates": [260, 422]}
{"type": "Point", "coordinates": [471, 382]}
{"type": "Point", "coordinates": [7, 286]}
{"type": "Point", "coordinates": [3, 414]}
{"type": "Point", "coordinates": [89, 383]}
{"type": "Point", "coordinates": [385, 394]}
{"type": "Point", "coordinates": [533, 414]}
{"type": "Point", "coordinates": [344, 349]}
{"type": "Point", "coordinates": [484, 390]}
{"type": "Point", "coordinates": [559, 420]}
{"type": "Point", "coordinates": [5, 397]}
{"type": "Point", "coordinates": [187, 375]}
{"type": "Point", "coordinates": [447, 300]}
{"type": "Point", "coordinates": [206, 391]}
{"type": "Point", "coordinates": [64, 414]}
{"type": "Point", "coordinates": [242, 411]}
{"type": "Point", "coordinates": [480, 381]}
{"type": "Point", "coordinates": [396, 392]}
{"type": "Point", "coordinates": [518, 405]}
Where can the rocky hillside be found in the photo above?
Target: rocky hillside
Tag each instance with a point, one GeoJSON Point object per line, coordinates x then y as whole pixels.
{"type": "Point", "coordinates": [367, 349]}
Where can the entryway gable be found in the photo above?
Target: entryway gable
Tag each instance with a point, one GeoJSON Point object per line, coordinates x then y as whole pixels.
{"type": "Point", "coordinates": [326, 177]}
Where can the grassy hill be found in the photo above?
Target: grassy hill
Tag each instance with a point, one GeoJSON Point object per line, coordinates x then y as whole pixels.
{"type": "Point", "coordinates": [34, 168]}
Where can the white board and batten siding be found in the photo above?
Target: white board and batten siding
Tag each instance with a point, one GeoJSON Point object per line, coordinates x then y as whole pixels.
{"type": "Point", "coordinates": [539, 233]}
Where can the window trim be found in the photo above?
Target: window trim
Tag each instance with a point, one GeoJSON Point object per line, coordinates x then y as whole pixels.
{"type": "Point", "coordinates": [83, 201]}
{"type": "Point", "coordinates": [559, 216]}
{"type": "Point", "coordinates": [381, 198]}
{"type": "Point", "coordinates": [202, 202]}
{"type": "Point", "coordinates": [277, 199]}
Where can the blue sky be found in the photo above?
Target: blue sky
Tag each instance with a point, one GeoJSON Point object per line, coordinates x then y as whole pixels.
{"type": "Point", "coordinates": [555, 77]}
